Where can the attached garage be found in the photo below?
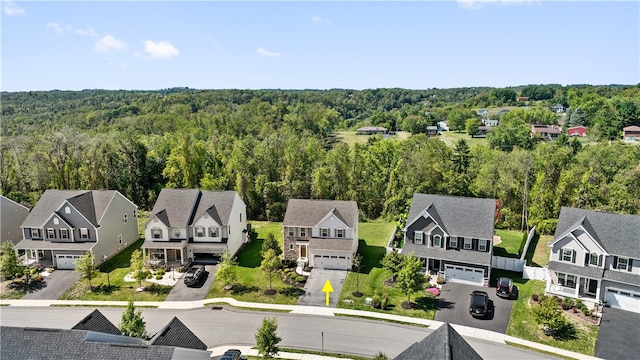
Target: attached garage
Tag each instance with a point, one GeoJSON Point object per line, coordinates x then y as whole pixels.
{"type": "Point", "coordinates": [67, 261]}
{"type": "Point", "coordinates": [463, 274]}
{"type": "Point", "coordinates": [336, 262]}
{"type": "Point", "coordinates": [622, 299]}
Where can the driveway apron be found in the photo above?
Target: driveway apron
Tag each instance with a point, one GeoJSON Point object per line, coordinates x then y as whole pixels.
{"type": "Point", "coordinates": [54, 285]}
{"type": "Point", "coordinates": [314, 296]}
{"type": "Point", "coordinates": [182, 292]}
{"type": "Point", "coordinates": [618, 335]}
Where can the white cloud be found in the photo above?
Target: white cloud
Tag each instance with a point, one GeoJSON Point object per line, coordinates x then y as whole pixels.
{"type": "Point", "coordinates": [160, 50]}
{"type": "Point", "coordinates": [88, 32]}
{"type": "Point", "coordinates": [58, 28]}
{"type": "Point", "coordinates": [108, 43]}
{"type": "Point", "coordinates": [11, 9]}
{"type": "Point", "coordinates": [318, 19]}
{"type": "Point", "coordinates": [265, 52]}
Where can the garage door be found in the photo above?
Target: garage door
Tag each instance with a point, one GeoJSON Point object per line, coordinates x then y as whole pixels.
{"type": "Point", "coordinates": [623, 299]}
{"type": "Point", "coordinates": [330, 262]}
{"type": "Point", "coordinates": [67, 261]}
{"type": "Point", "coordinates": [462, 274]}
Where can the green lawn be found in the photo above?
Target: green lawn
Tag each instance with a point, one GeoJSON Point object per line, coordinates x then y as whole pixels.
{"type": "Point", "coordinates": [510, 243]}
{"type": "Point", "coordinates": [451, 138]}
{"type": "Point", "coordinates": [372, 246]}
{"type": "Point", "coordinates": [539, 251]}
{"type": "Point", "coordinates": [523, 326]}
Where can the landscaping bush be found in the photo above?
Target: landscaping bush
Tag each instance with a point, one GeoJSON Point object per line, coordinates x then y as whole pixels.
{"type": "Point", "coordinates": [159, 276]}
{"type": "Point", "coordinates": [440, 280]}
{"type": "Point", "coordinates": [293, 275]}
{"type": "Point", "coordinates": [160, 272]}
{"type": "Point", "coordinates": [376, 301]}
{"type": "Point", "coordinates": [301, 279]}
{"type": "Point", "coordinates": [567, 303]}
{"type": "Point", "coordinates": [180, 269]}
{"type": "Point", "coordinates": [433, 291]}
{"type": "Point", "coordinates": [579, 304]}
{"type": "Point", "coordinates": [585, 310]}
{"type": "Point", "coordinates": [384, 299]}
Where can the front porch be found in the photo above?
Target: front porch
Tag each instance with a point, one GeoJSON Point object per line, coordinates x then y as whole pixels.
{"type": "Point", "coordinates": [164, 253]}
{"type": "Point", "coordinates": [574, 286]}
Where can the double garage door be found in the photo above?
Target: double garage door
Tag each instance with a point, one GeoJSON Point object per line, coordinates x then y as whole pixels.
{"type": "Point", "coordinates": [463, 274]}
{"type": "Point", "coordinates": [623, 299]}
{"type": "Point", "coordinates": [330, 262]}
{"type": "Point", "coordinates": [67, 261]}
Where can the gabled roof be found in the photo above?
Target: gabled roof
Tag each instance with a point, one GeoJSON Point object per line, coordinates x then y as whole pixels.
{"type": "Point", "coordinates": [174, 207]}
{"type": "Point", "coordinates": [442, 344]}
{"type": "Point", "coordinates": [306, 212]}
{"type": "Point", "coordinates": [6, 202]}
{"type": "Point", "coordinates": [175, 333]}
{"type": "Point", "coordinates": [217, 204]}
{"type": "Point", "coordinates": [631, 128]}
{"type": "Point", "coordinates": [95, 321]}
{"type": "Point", "coordinates": [92, 204]}
{"type": "Point", "coordinates": [457, 215]}
{"type": "Point", "coordinates": [617, 233]}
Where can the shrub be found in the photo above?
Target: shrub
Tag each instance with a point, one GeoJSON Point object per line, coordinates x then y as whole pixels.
{"type": "Point", "coordinates": [567, 303]}
{"type": "Point", "coordinates": [180, 269]}
{"type": "Point", "coordinates": [293, 275]}
{"type": "Point", "coordinates": [160, 272]}
{"type": "Point", "coordinates": [579, 303]}
{"type": "Point", "coordinates": [440, 280]}
{"type": "Point", "coordinates": [159, 276]}
{"type": "Point", "coordinates": [433, 291]}
{"type": "Point", "coordinates": [375, 301]}
{"type": "Point", "coordinates": [301, 279]}
{"type": "Point", "coordinates": [585, 310]}
{"type": "Point", "coordinates": [547, 227]}
{"type": "Point", "coordinates": [384, 299]}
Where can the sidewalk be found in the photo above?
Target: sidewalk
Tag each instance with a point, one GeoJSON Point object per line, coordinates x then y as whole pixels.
{"type": "Point", "coordinates": [465, 331]}
{"type": "Point", "coordinates": [248, 350]}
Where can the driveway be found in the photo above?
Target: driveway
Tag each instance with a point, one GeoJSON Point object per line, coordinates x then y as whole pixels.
{"type": "Point", "coordinates": [182, 292]}
{"type": "Point", "coordinates": [54, 285]}
{"type": "Point", "coordinates": [618, 335]}
{"type": "Point", "coordinates": [453, 307]}
{"type": "Point", "coordinates": [314, 296]}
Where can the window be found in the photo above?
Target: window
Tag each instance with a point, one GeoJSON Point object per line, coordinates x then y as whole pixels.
{"type": "Point", "coordinates": [119, 238]}
{"type": "Point", "coordinates": [292, 231]}
{"type": "Point", "coordinates": [156, 233]}
{"type": "Point", "coordinates": [467, 243]}
{"type": "Point", "coordinates": [51, 233]}
{"type": "Point", "coordinates": [125, 218]}
{"type": "Point", "coordinates": [482, 245]}
{"type": "Point", "coordinates": [567, 280]}
{"type": "Point", "coordinates": [437, 241]}
{"type": "Point", "coordinates": [303, 232]}
{"type": "Point", "coordinates": [213, 231]}
{"type": "Point", "coordinates": [567, 255]}
{"type": "Point", "coordinates": [199, 231]}
{"type": "Point", "coordinates": [240, 217]}
{"type": "Point", "coordinates": [623, 264]}
{"type": "Point", "coordinates": [64, 233]}
{"type": "Point", "coordinates": [340, 233]}
{"type": "Point", "coordinates": [417, 237]}
{"type": "Point", "coordinates": [593, 259]}
{"type": "Point", "coordinates": [290, 246]}
{"type": "Point", "coordinates": [84, 233]}
{"type": "Point", "coordinates": [35, 233]}
{"type": "Point", "coordinates": [56, 221]}
{"type": "Point", "coordinates": [324, 232]}
{"type": "Point", "coordinates": [453, 242]}
{"type": "Point", "coordinates": [67, 210]}
{"type": "Point", "coordinates": [135, 213]}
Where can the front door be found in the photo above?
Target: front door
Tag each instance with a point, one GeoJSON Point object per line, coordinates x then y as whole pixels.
{"type": "Point", "coordinates": [303, 251]}
{"type": "Point", "coordinates": [593, 286]}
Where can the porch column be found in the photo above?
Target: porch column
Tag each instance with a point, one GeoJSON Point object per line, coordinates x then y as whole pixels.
{"type": "Point", "coordinates": [165, 255]}
{"type": "Point", "coordinates": [576, 291]}
{"type": "Point", "coordinates": [181, 257]}
{"type": "Point", "coordinates": [598, 291]}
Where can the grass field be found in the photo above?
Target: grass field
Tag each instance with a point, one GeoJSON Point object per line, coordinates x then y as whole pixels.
{"type": "Point", "coordinates": [510, 243]}
{"type": "Point", "coordinates": [539, 251]}
{"type": "Point", "coordinates": [452, 137]}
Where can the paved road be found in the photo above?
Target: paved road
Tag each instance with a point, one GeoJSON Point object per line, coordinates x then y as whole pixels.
{"type": "Point", "coordinates": [618, 337]}
{"type": "Point", "coordinates": [313, 288]}
{"type": "Point", "coordinates": [230, 327]}
{"type": "Point", "coordinates": [182, 292]}
{"type": "Point", "coordinates": [453, 307]}
{"type": "Point", "coordinates": [54, 285]}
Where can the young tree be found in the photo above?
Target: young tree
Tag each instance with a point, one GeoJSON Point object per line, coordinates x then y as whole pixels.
{"type": "Point", "coordinates": [410, 279]}
{"type": "Point", "coordinates": [270, 263]}
{"type": "Point", "coordinates": [267, 339]}
{"type": "Point", "coordinates": [546, 313]}
{"type": "Point", "coordinates": [356, 266]}
{"type": "Point", "coordinates": [137, 266]}
{"type": "Point", "coordinates": [226, 269]}
{"type": "Point", "coordinates": [271, 243]}
{"type": "Point", "coordinates": [131, 323]}
{"type": "Point", "coordinates": [393, 262]}
{"type": "Point", "coordinates": [10, 266]}
{"type": "Point", "coordinates": [86, 268]}
{"type": "Point", "coordinates": [380, 356]}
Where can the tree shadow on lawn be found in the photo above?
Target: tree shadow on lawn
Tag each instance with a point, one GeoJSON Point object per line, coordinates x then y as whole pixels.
{"type": "Point", "coordinates": [240, 289]}
{"type": "Point", "coordinates": [425, 303]}
{"type": "Point", "coordinates": [292, 291]}
{"type": "Point", "coordinates": [158, 289]}
{"type": "Point", "coordinates": [249, 255]}
{"type": "Point", "coordinates": [371, 256]}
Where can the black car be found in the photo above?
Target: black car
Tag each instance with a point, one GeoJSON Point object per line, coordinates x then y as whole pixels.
{"type": "Point", "coordinates": [193, 275]}
{"type": "Point", "coordinates": [504, 288]}
{"type": "Point", "coordinates": [232, 354]}
{"type": "Point", "coordinates": [479, 304]}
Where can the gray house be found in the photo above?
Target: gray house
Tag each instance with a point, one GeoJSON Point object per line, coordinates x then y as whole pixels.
{"type": "Point", "coordinates": [13, 214]}
{"type": "Point", "coordinates": [189, 224]}
{"type": "Point", "coordinates": [595, 256]}
{"type": "Point", "coordinates": [452, 235]}
{"type": "Point", "coordinates": [66, 224]}
{"type": "Point", "coordinates": [444, 343]}
{"type": "Point", "coordinates": [323, 233]}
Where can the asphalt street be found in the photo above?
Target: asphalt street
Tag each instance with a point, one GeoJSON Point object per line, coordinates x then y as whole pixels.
{"type": "Point", "coordinates": [229, 327]}
{"type": "Point", "coordinates": [54, 285]}
{"type": "Point", "coordinates": [313, 288]}
{"type": "Point", "coordinates": [182, 292]}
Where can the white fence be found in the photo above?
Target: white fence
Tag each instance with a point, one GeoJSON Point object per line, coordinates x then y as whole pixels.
{"type": "Point", "coordinates": [535, 273]}
{"type": "Point", "coordinates": [390, 242]}
{"type": "Point", "coordinates": [504, 263]}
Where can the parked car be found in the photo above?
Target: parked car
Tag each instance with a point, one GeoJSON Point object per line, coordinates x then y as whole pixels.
{"type": "Point", "coordinates": [193, 275]}
{"type": "Point", "coordinates": [232, 354]}
{"type": "Point", "coordinates": [479, 304]}
{"type": "Point", "coordinates": [504, 289]}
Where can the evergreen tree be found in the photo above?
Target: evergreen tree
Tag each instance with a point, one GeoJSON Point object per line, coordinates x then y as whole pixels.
{"type": "Point", "coordinates": [10, 266]}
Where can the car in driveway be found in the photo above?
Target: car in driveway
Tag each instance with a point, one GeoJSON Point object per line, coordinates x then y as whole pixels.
{"type": "Point", "coordinates": [479, 304]}
{"type": "Point", "coordinates": [232, 354]}
{"type": "Point", "coordinates": [193, 275]}
{"type": "Point", "coordinates": [504, 288]}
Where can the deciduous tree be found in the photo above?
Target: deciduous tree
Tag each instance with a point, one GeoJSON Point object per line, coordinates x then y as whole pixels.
{"type": "Point", "coordinates": [86, 268]}
{"type": "Point", "coordinates": [270, 263]}
{"type": "Point", "coordinates": [10, 266]}
{"type": "Point", "coordinates": [267, 338]}
{"type": "Point", "coordinates": [410, 279]}
{"type": "Point", "coordinates": [132, 324]}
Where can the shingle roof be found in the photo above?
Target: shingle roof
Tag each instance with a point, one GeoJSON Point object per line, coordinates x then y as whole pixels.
{"type": "Point", "coordinates": [588, 271]}
{"type": "Point", "coordinates": [442, 344]}
{"type": "Point", "coordinates": [217, 204]}
{"type": "Point", "coordinates": [305, 212]}
{"type": "Point", "coordinates": [459, 216]}
{"type": "Point", "coordinates": [459, 255]}
{"type": "Point", "coordinates": [48, 245]}
{"type": "Point", "coordinates": [617, 233]}
{"type": "Point", "coordinates": [174, 206]}
{"type": "Point", "coordinates": [331, 244]}
{"type": "Point", "coordinates": [95, 321]}
{"type": "Point", "coordinates": [51, 200]}
{"type": "Point", "coordinates": [175, 333]}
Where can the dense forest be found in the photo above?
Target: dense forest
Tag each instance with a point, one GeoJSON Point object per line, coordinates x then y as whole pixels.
{"type": "Point", "coordinates": [273, 145]}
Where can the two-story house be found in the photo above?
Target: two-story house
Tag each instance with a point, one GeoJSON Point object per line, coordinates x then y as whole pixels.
{"type": "Point", "coordinates": [12, 215]}
{"type": "Point", "coordinates": [452, 235]}
{"type": "Point", "coordinates": [595, 256]}
{"type": "Point", "coordinates": [322, 232]}
{"type": "Point", "coordinates": [65, 224]}
{"type": "Point", "coordinates": [189, 224]}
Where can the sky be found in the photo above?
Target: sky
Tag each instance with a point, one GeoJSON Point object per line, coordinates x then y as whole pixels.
{"type": "Point", "coordinates": [151, 45]}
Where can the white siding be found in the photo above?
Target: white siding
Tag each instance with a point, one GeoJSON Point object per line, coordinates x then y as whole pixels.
{"type": "Point", "coordinates": [206, 222]}
{"type": "Point", "coordinates": [238, 223]}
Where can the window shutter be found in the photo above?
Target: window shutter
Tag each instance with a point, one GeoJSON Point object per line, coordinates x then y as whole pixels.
{"type": "Point", "coordinates": [600, 260]}
{"type": "Point", "coordinates": [629, 266]}
{"type": "Point", "coordinates": [587, 257]}
{"type": "Point", "coordinates": [615, 262]}
{"type": "Point", "coordinates": [573, 256]}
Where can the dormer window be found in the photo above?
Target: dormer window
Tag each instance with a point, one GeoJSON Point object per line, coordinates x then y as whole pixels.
{"type": "Point", "coordinates": [199, 231]}
{"type": "Point", "coordinates": [156, 233]}
{"type": "Point", "coordinates": [567, 255]}
{"type": "Point", "coordinates": [417, 237]}
{"type": "Point", "coordinates": [324, 232]}
{"type": "Point", "coordinates": [593, 259]}
{"type": "Point", "coordinates": [339, 233]}
{"type": "Point", "coordinates": [35, 233]}
{"type": "Point", "coordinates": [213, 232]}
{"type": "Point", "coordinates": [84, 233]}
{"type": "Point", "coordinates": [437, 241]}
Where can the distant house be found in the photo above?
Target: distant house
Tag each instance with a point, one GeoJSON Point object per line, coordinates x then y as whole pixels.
{"type": "Point", "coordinates": [491, 122]}
{"type": "Point", "coordinates": [546, 132]}
{"type": "Point", "coordinates": [577, 131]}
{"type": "Point", "coordinates": [558, 109]}
{"type": "Point", "coordinates": [522, 99]}
{"type": "Point", "coordinates": [13, 214]}
{"type": "Point", "coordinates": [371, 130]}
{"type": "Point", "coordinates": [482, 131]}
{"type": "Point", "coordinates": [443, 126]}
{"type": "Point", "coordinates": [432, 130]}
{"type": "Point", "coordinates": [631, 133]}
{"type": "Point", "coordinates": [484, 113]}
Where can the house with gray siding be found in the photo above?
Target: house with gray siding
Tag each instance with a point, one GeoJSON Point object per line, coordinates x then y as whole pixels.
{"type": "Point", "coordinates": [452, 235]}
{"type": "Point", "coordinates": [595, 256]}
{"type": "Point", "coordinates": [66, 224]}
{"type": "Point", "coordinates": [189, 224]}
{"type": "Point", "coordinates": [12, 215]}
